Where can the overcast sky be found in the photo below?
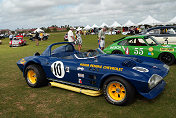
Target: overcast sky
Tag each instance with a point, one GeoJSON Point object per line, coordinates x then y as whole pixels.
{"type": "Point", "coordinates": [38, 13]}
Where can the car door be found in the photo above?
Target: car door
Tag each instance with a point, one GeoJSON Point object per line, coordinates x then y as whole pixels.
{"type": "Point", "coordinates": [135, 46]}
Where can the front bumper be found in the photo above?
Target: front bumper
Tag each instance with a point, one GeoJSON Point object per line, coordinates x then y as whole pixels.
{"type": "Point", "coordinates": [155, 91]}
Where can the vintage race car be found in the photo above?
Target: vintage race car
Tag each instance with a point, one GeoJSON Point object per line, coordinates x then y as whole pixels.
{"type": "Point", "coordinates": [118, 77]}
{"type": "Point", "coordinates": [17, 41]}
{"type": "Point", "coordinates": [143, 45]}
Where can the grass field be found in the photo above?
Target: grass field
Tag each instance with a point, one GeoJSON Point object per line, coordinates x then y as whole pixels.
{"type": "Point", "coordinates": [18, 100]}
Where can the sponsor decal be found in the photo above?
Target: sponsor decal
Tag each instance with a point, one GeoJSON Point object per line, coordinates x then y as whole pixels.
{"type": "Point", "coordinates": [167, 49]}
{"type": "Point", "coordinates": [57, 69]}
{"type": "Point", "coordinates": [115, 47]}
{"type": "Point", "coordinates": [127, 51]}
{"type": "Point", "coordinates": [23, 61]}
{"type": "Point", "coordinates": [80, 81]}
{"type": "Point", "coordinates": [80, 68]}
{"type": "Point", "coordinates": [67, 69]}
{"type": "Point", "coordinates": [80, 75]}
{"type": "Point", "coordinates": [150, 53]}
{"type": "Point", "coordinates": [101, 67]}
{"type": "Point", "coordinates": [151, 49]}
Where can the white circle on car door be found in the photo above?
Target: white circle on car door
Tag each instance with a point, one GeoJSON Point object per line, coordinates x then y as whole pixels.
{"type": "Point", "coordinates": [57, 69]}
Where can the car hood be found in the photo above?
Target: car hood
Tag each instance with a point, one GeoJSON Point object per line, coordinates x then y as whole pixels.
{"type": "Point", "coordinates": [168, 46]}
{"type": "Point", "coordinates": [118, 60]}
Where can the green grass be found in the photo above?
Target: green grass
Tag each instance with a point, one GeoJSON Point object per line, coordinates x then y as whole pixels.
{"type": "Point", "coordinates": [17, 99]}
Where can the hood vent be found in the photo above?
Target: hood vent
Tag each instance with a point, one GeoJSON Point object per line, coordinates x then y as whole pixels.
{"type": "Point", "coordinates": [137, 60]}
{"type": "Point", "coordinates": [129, 63]}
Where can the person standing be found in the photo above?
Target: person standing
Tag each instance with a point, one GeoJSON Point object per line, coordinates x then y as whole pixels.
{"type": "Point", "coordinates": [11, 37]}
{"type": "Point", "coordinates": [71, 36]}
{"type": "Point", "coordinates": [36, 38]}
{"type": "Point", "coordinates": [79, 39]}
{"type": "Point", "coordinates": [101, 38]}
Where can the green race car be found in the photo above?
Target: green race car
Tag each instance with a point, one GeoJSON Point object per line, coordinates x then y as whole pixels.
{"type": "Point", "coordinates": [143, 45]}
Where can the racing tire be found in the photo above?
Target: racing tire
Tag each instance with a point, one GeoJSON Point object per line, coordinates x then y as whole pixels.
{"type": "Point", "coordinates": [117, 52]}
{"type": "Point", "coordinates": [118, 91]}
{"type": "Point", "coordinates": [167, 58]}
{"type": "Point", "coordinates": [35, 76]}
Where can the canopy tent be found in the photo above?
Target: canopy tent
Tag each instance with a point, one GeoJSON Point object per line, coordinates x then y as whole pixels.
{"type": "Point", "coordinates": [115, 25]}
{"type": "Point", "coordinates": [149, 21]}
{"type": "Point", "coordinates": [87, 27]}
{"type": "Point", "coordinates": [129, 23]}
{"type": "Point", "coordinates": [103, 24]}
{"type": "Point", "coordinates": [78, 29]}
{"type": "Point", "coordinates": [94, 26]}
{"type": "Point", "coordinates": [172, 21]}
{"type": "Point", "coordinates": [38, 30]}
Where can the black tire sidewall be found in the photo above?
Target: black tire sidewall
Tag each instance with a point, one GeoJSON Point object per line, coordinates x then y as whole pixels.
{"type": "Point", "coordinates": [130, 91]}
{"type": "Point", "coordinates": [40, 75]}
{"type": "Point", "coordinates": [117, 52]}
{"type": "Point", "coordinates": [171, 55]}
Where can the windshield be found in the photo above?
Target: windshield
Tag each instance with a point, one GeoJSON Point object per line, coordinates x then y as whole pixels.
{"type": "Point", "coordinates": [89, 54]}
{"type": "Point", "coordinates": [151, 41]}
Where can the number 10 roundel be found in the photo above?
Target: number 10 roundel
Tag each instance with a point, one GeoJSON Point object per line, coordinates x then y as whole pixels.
{"type": "Point", "coordinates": [57, 69]}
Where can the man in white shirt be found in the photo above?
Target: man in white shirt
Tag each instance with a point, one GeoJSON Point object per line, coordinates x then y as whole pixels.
{"type": "Point", "coordinates": [11, 37]}
{"type": "Point", "coordinates": [101, 37]}
{"type": "Point", "coordinates": [71, 35]}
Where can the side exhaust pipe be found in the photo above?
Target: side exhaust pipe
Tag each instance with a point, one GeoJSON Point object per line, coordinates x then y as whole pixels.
{"type": "Point", "coordinates": [76, 89]}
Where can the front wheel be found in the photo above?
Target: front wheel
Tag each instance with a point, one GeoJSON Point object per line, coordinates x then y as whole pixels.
{"type": "Point", "coordinates": [167, 58]}
{"type": "Point", "coordinates": [118, 91]}
{"type": "Point", "coordinates": [35, 76]}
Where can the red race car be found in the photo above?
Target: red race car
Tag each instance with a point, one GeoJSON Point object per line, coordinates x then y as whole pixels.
{"type": "Point", "coordinates": [17, 41]}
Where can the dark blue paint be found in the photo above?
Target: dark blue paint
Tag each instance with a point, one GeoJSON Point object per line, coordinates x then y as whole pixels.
{"type": "Point", "coordinates": [138, 79]}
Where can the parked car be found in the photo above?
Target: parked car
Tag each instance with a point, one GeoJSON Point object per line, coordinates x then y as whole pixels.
{"type": "Point", "coordinates": [118, 77]}
{"type": "Point", "coordinates": [163, 34]}
{"type": "Point", "coordinates": [17, 41]}
{"type": "Point", "coordinates": [143, 45]}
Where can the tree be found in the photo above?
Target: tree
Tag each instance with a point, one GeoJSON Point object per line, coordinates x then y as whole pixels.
{"type": "Point", "coordinates": [47, 30]}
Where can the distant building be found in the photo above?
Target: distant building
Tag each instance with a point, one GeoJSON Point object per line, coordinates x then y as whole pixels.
{"type": "Point", "coordinates": [3, 31]}
{"type": "Point", "coordinates": [57, 29]}
{"type": "Point", "coordinates": [25, 30]}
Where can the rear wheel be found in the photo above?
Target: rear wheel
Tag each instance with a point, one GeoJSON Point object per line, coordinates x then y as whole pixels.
{"type": "Point", "coordinates": [117, 52]}
{"type": "Point", "coordinates": [118, 91]}
{"type": "Point", "coordinates": [35, 76]}
{"type": "Point", "coordinates": [167, 58]}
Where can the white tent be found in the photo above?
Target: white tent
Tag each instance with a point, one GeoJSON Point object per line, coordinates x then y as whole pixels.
{"type": "Point", "coordinates": [172, 21]}
{"type": "Point", "coordinates": [103, 24]}
{"type": "Point", "coordinates": [87, 27]}
{"type": "Point", "coordinates": [129, 23]}
{"type": "Point", "coordinates": [115, 24]}
{"type": "Point", "coordinates": [94, 26]}
{"type": "Point", "coordinates": [38, 30]}
{"type": "Point", "coordinates": [78, 29]}
{"type": "Point", "coordinates": [149, 21]}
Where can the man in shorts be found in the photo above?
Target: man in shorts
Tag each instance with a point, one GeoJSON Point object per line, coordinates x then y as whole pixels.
{"type": "Point", "coordinates": [71, 36]}
{"type": "Point", "coordinates": [101, 37]}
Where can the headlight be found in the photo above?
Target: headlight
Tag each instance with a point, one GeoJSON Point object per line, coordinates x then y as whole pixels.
{"type": "Point", "coordinates": [166, 66]}
{"type": "Point", "coordinates": [154, 80]}
{"type": "Point", "coordinates": [141, 69]}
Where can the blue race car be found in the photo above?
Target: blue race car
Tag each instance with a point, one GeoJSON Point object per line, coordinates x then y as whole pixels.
{"type": "Point", "coordinates": [118, 77]}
